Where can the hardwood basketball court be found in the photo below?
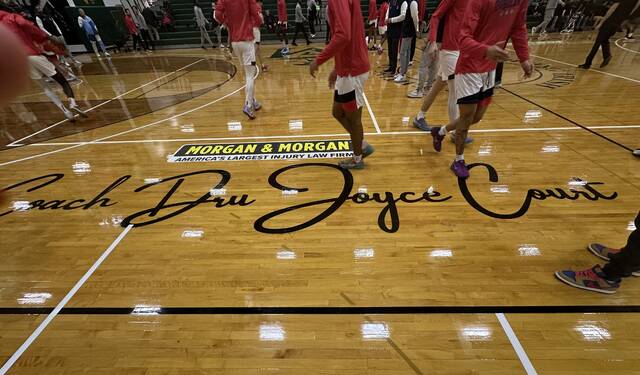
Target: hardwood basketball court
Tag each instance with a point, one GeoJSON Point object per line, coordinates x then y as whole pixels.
{"type": "Point", "coordinates": [118, 259]}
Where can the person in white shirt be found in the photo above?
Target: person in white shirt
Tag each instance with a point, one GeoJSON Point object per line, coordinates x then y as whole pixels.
{"type": "Point", "coordinates": [202, 23]}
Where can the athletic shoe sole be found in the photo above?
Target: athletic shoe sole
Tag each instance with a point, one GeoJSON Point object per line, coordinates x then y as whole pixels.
{"type": "Point", "coordinates": [560, 277]}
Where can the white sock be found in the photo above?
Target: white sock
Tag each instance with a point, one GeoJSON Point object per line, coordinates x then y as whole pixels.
{"type": "Point", "coordinates": [72, 102]}
{"type": "Point", "coordinates": [459, 157]}
{"type": "Point", "coordinates": [420, 115]}
{"type": "Point", "coordinates": [443, 130]}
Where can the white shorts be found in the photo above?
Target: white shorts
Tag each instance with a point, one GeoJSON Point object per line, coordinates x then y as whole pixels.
{"type": "Point", "coordinates": [447, 61]}
{"type": "Point", "coordinates": [475, 88]}
{"type": "Point", "coordinates": [256, 35]}
{"type": "Point", "coordinates": [245, 51]}
{"type": "Point", "coordinates": [41, 67]}
{"type": "Point", "coordinates": [382, 30]}
{"type": "Point", "coordinates": [349, 88]}
{"type": "Point", "coordinates": [373, 23]}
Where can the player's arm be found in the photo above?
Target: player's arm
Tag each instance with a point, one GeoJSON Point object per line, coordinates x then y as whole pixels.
{"type": "Point", "coordinates": [403, 14]}
{"type": "Point", "coordinates": [33, 31]}
{"type": "Point", "coordinates": [437, 17]}
{"type": "Point", "coordinates": [518, 37]}
{"type": "Point", "coordinates": [80, 22]}
{"type": "Point", "coordinates": [341, 32]}
{"type": "Point", "coordinates": [414, 15]}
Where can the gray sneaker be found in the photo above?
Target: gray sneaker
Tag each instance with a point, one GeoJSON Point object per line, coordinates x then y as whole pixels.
{"type": "Point", "coordinates": [415, 94]}
{"type": "Point", "coordinates": [421, 123]}
{"type": "Point", "coordinates": [351, 163]}
{"type": "Point", "coordinates": [367, 151]}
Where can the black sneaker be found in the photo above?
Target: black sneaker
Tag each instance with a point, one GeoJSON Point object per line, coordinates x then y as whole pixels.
{"type": "Point", "coordinates": [584, 66]}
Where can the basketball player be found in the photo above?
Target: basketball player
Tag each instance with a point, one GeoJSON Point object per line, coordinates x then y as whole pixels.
{"type": "Point", "coordinates": [373, 23]}
{"type": "Point", "coordinates": [410, 27]}
{"type": "Point", "coordinates": [549, 11]}
{"type": "Point", "coordinates": [451, 13]}
{"type": "Point", "coordinates": [240, 18]}
{"type": "Point", "coordinates": [382, 24]}
{"type": "Point", "coordinates": [282, 27]}
{"type": "Point", "coordinates": [616, 15]}
{"type": "Point", "coordinates": [394, 32]}
{"type": "Point", "coordinates": [91, 31]}
{"type": "Point", "coordinates": [257, 36]}
{"type": "Point", "coordinates": [32, 38]}
{"type": "Point", "coordinates": [348, 48]}
{"type": "Point", "coordinates": [487, 24]}
{"type": "Point", "coordinates": [622, 263]}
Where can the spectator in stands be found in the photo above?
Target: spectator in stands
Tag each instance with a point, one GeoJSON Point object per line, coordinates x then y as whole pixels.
{"type": "Point", "coordinates": [152, 21]}
{"type": "Point", "coordinates": [202, 24]}
{"type": "Point", "coordinates": [132, 27]}
{"type": "Point", "coordinates": [91, 32]}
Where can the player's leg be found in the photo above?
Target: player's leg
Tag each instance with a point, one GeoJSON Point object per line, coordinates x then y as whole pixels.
{"type": "Point", "coordinates": [350, 97]}
{"type": "Point", "coordinates": [405, 54]}
{"type": "Point", "coordinates": [41, 69]}
{"type": "Point", "coordinates": [245, 51]}
{"type": "Point", "coordinates": [420, 120]}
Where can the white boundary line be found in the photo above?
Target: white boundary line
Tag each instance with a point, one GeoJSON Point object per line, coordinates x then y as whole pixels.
{"type": "Point", "coordinates": [515, 343]}
{"type": "Point", "coordinates": [373, 117]}
{"type": "Point", "coordinates": [126, 131]}
{"type": "Point", "coordinates": [409, 132]}
{"type": "Point", "coordinates": [12, 360]}
{"type": "Point", "coordinates": [625, 48]}
{"type": "Point", "coordinates": [589, 70]}
{"type": "Point", "coordinates": [16, 144]}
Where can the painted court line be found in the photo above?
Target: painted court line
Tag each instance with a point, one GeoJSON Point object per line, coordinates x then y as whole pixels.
{"type": "Point", "coordinates": [522, 355]}
{"type": "Point", "coordinates": [126, 131]}
{"type": "Point", "coordinates": [625, 48]}
{"type": "Point", "coordinates": [12, 360]}
{"type": "Point", "coordinates": [373, 117]}
{"type": "Point", "coordinates": [409, 132]}
{"type": "Point", "coordinates": [16, 143]}
{"type": "Point", "coordinates": [589, 70]}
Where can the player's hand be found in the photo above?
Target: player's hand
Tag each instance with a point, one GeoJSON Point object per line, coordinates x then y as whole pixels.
{"type": "Point", "coordinates": [527, 67]}
{"type": "Point", "coordinates": [433, 49]}
{"type": "Point", "coordinates": [497, 53]}
{"type": "Point", "coordinates": [313, 68]}
{"type": "Point", "coordinates": [333, 76]}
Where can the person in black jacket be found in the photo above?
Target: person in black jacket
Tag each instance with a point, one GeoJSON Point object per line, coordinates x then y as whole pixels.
{"type": "Point", "coordinates": [152, 21]}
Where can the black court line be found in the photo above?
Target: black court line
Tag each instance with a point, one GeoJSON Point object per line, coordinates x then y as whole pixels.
{"type": "Point", "coordinates": [324, 310]}
{"type": "Point", "coordinates": [568, 119]}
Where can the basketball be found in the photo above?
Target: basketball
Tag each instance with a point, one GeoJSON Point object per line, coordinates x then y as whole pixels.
{"type": "Point", "coordinates": [14, 70]}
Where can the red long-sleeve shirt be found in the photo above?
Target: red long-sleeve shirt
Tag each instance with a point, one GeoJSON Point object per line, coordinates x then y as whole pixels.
{"type": "Point", "coordinates": [487, 22]}
{"type": "Point", "coordinates": [422, 7]}
{"type": "Point", "coordinates": [282, 11]}
{"type": "Point", "coordinates": [239, 16]}
{"type": "Point", "coordinates": [29, 34]}
{"type": "Point", "coordinates": [259, 20]}
{"type": "Point", "coordinates": [382, 14]}
{"type": "Point", "coordinates": [131, 26]}
{"type": "Point", "coordinates": [452, 13]}
{"type": "Point", "coordinates": [373, 10]}
{"type": "Point", "coordinates": [347, 45]}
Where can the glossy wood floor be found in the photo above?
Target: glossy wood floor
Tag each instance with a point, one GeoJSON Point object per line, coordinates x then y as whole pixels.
{"type": "Point", "coordinates": [444, 269]}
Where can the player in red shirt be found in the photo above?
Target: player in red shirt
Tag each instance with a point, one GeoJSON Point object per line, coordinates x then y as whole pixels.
{"type": "Point", "coordinates": [486, 26]}
{"type": "Point", "coordinates": [373, 22]}
{"type": "Point", "coordinates": [451, 13]}
{"type": "Point", "coordinates": [382, 24]}
{"type": "Point", "coordinates": [35, 42]}
{"type": "Point", "coordinates": [349, 51]}
{"type": "Point", "coordinates": [240, 18]}
{"type": "Point", "coordinates": [282, 26]}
